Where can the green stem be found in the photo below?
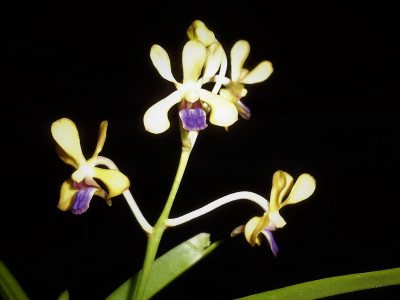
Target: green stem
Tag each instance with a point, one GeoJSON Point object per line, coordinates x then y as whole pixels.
{"type": "Point", "coordinates": [154, 239]}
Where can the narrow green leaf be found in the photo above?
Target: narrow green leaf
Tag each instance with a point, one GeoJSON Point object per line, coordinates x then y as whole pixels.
{"type": "Point", "coordinates": [64, 296]}
{"type": "Point", "coordinates": [168, 267]}
{"type": "Point", "coordinates": [10, 289]}
{"type": "Point", "coordinates": [332, 286]}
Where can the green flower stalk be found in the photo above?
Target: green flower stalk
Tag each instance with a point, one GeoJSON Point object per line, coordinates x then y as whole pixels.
{"type": "Point", "coordinates": [188, 141]}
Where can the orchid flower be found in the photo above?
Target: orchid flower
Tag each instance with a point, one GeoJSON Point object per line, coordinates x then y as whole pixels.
{"type": "Point", "coordinates": [282, 185]}
{"type": "Point", "coordinates": [240, 76]}
{"type": "Point", "coordinates": [77, 191]}
{"type": "Point", "coordinates": [194, 100]}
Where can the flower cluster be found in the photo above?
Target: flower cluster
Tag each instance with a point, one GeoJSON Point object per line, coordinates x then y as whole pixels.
{"type": "Point", "coordinates": [203, 61]}
{"type": "Point", "coordinates": [202, 57]}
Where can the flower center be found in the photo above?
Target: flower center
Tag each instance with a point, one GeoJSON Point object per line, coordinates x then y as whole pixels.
{"type": "Point", "coordinates": [189, 91]}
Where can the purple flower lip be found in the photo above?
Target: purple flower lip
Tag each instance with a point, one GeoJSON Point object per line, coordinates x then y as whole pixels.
{"type": "Point", "coordinates": [193, 119]}
{"type": "Point", "coordinates": [244, 111]}
{"type": "Point", "coordinates": [271, 241]}
{"type": "Point", "coordinates": [82, 200]}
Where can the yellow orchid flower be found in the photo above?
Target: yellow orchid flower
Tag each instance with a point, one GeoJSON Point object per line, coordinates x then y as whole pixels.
{"type": "Point", "coordinates": [194, 101]}
{"type": "Point", "coordinates": [77, 191]}
{"type": "Point", "coordinates": [240, 76]}
{"type": "Point", "coordinates": [282, 185]}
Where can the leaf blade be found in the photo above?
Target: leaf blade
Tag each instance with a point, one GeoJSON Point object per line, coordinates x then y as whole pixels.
{"type": "Point", "coordinates": [168, 267]}
{"type": "Point", "coordinates": [10, 289]}
{"type": "Point", "coordinates": [332, 286]}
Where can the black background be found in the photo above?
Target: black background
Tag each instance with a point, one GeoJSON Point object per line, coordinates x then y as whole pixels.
{"type": "Point", "coordinates": [329, 109]}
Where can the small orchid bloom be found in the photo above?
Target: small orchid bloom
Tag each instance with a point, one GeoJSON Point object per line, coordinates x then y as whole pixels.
{"type": "Point", "coordinates": [240, 76]}
{"type": "Point", "coordinates": [194, 101]}
{"type": "Point", "coordinates": [77, 191]}
{"type": "Point", "coordinates": [282, 185]}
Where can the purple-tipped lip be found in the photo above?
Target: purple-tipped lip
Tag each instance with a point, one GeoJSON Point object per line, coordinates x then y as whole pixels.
{"type": "Point", "coordinates": [244, 111]}
{"type": "Point", "coordinates": [193, 119]}
{"type": "Point", "coordinates": [82, 200]}
{"type": "Point", "coordinates": [271, 241]}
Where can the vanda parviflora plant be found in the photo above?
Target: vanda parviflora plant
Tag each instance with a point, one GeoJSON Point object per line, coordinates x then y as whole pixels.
{"type": "Point", "coordinates": [211, 92]}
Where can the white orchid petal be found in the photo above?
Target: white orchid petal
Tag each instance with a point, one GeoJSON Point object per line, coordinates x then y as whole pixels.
{"type": "Point", "coordinates": [239, 53]}
{"type": "Point", "coordinates": [161, 61]}
{"type": "Point", "coordinates": [258, 74]}
{"type": "Point", "coordinates": [156, 117]}
{"type": "Point", "coordinates": [223, 112]}
{"type": "Point", "coordinates": [193, 57]}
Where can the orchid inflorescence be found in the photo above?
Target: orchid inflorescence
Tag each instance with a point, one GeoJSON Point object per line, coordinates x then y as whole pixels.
{"type": "Point", "coordinates": [202, 57]}
{"type": "Point", "coordinates": [203, 61]}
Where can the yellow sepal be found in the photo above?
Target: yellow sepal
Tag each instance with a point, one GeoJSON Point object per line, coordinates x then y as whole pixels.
{"type": "Point", "coordinates": [281, 184]}
{"type": "Point", "coordinates": [66, 135]}
{"type": "Point", "coordinates": [67, 195]}
{"type": "Point", "coordinates": [114, 180]}
{"type": "Point", "coordinates": [251, 233]}
{"type": "Point", "coordinates": [303, 188]}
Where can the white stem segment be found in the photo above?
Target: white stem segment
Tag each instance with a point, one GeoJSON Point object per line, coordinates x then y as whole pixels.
{"type": "Point", "coordinates": [261, 201]}
{"type": "Point", "coordinates": [101, 160]}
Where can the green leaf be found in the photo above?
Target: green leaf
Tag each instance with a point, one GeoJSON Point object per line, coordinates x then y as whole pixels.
{"type": "Point", "coordinates": [9, 286]}
{"type": "Point", "coordinates": [64, 296]}
{"type": "Point", "coordinates": [168, 267]}
{"type": "Point", "coordinates": [332, 286]}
